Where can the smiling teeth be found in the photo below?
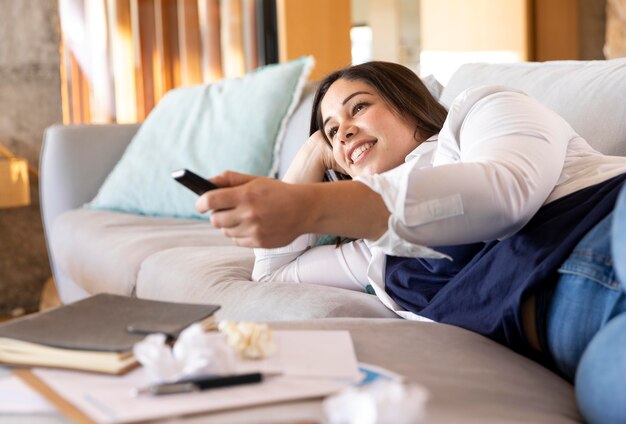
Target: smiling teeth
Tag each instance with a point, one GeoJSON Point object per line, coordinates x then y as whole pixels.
{"type": "Point", "coordinates": [359, 151]}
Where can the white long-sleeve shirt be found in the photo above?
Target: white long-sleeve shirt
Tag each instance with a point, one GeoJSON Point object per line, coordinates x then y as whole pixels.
{"type": "Point", "coordinates": [499, 157]}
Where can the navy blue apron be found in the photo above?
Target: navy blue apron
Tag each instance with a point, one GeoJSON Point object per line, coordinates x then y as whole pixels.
{"type": "Point", "coordinates": [484, 287]}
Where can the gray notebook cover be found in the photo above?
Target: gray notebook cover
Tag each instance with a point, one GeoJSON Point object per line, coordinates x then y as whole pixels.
{"type": "Point", "coordinates": [101, 322]}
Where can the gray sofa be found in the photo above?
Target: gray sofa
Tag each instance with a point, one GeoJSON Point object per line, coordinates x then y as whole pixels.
{"type": "Point", "coordinates": [471, 379]}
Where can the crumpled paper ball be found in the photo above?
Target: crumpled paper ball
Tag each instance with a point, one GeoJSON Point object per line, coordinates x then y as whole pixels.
{"type": "Point", "coordinates": [381, 402]}
{"type": "Point", "coordinates": [194, 353]}
{"type": "Point", "coordinates": [249, 339]}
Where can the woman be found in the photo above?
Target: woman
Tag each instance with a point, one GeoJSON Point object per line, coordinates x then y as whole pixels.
{"type": "Point", "coordinates": [480, 227]}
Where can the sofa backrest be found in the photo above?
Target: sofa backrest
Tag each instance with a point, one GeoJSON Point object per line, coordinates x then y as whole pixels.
{"type": "Point", "coordinates": [297, 129]}
{"type": "Point", "coordinates": [590, 95]}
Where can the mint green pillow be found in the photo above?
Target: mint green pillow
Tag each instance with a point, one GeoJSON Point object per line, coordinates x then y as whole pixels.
{"type": "Point", "coordinates": [233, 124]}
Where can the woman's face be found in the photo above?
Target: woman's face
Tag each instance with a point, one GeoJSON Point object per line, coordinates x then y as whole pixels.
{"type": "Point", "coordinates": [366, 134]}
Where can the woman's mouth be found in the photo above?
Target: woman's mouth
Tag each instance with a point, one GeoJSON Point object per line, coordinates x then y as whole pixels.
{"type": "Point", "coordinates": [359, 152]}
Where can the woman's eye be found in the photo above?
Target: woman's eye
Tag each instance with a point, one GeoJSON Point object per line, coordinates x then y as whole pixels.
{"type": "Point", "coordinates": [358, 107]}
{"type": "Point", "coordinates": [331, 132]}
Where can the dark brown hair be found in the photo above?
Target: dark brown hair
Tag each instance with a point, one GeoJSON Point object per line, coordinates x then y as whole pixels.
{"type": "Point", "coordinates": [400, 87]}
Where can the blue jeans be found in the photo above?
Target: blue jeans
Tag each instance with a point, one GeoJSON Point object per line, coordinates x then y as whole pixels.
{"type": "Point", "coordinates": [586, 319]}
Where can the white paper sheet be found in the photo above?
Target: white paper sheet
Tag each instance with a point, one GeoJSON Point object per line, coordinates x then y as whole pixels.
{"type": "Point", "coordinates": [313, 363]}
{"type": "Point", "coordinates": [16, 397]}
{"type": "Point", "coordinates": [317, 354]}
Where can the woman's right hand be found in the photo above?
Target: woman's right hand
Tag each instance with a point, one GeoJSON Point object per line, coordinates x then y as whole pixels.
{"type": "Point", "coordinates": [256, 211]}
{"type": "Point", "coordinates": [264, 212]}
{"type": "Point", "coordinates": [312, 160]}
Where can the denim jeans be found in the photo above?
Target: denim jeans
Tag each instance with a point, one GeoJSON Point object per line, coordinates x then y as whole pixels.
{"type": "Point", "coordinates": [586, 319]}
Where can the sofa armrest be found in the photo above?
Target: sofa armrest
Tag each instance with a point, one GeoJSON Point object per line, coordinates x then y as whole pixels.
{"type": "Point", "coordinates": [75, 161]}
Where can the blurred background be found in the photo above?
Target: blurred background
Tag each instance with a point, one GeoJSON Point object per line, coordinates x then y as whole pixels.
{"type": "Point", "coordinates": [110, 61]}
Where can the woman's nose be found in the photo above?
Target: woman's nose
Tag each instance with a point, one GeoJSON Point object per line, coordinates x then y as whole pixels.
{"type": "Point", "coordinates": [347, 133]}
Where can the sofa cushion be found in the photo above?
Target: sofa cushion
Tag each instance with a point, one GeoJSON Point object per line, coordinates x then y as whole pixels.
{"type": "Point", "coordinates": [231, 124]}
{"type": "Point", "coordinates": [222, 275]}
{"type": "Point", "coordinates": [187, 260]}
{"type": "Point", "coordinates": [103, 251]}
{"type": "Point", "coordinates": [588, 94]}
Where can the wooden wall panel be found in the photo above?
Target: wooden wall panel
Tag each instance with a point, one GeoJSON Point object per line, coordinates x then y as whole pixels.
{"type": "Point", "coordinates": [123, 60]}
{"type": "Point", "coordinates": [66, 102]}
{"type": "Point", "coordinates": [231, 18]}
{"type": "Point", "coordinates": [250, 36]}
{"type": "Point", "coordinates": [555, 30]}
{"type": "Point", "coordinates": [79, 92]}
{"type": "Point", "coordinates": [167, 65]}
{"type": "Point", "coordinates": [146, 62]}
{"type": "Point", "coordinates": [320, 28]}
{"type": "Point", "coordinates": [189, 42]}
{"type": "Point", "coordinates": [211, 39]}
{"type": "Point", "coordinates": [100, 78]}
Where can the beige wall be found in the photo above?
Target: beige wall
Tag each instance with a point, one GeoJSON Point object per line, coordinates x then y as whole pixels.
{"type": "Point", "coordinates": [615, 29]}
{"type": "Point", "coordinates": [477, 25]}
{"type": "Point", "coordinates": [30, 100]}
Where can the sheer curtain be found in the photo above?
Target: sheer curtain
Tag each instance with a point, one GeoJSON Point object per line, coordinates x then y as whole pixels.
{"type": "Point", "coordinates": [119, 57]}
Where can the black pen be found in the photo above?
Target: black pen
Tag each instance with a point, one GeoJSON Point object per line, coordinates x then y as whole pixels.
{"type": "Point", "coordinates": [200, 383]}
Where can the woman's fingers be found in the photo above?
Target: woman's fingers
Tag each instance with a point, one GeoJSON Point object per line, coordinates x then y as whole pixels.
{"type": "Point", "coordinates": [232, 179]}
{"type": "Point", "coordinates": [225, 198]}
{"type": "Point", "coordinates": [244, 241]}
{"type": "Point", "coordinates": [273, 213]}
{"type": "Point", "coordinates": [253, 211]}
{"type": "Point", "coordinates": [245, 227]}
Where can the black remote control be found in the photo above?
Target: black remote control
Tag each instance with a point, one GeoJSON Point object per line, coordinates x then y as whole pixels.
{"type": "Point", "coordinates": [193, 182]}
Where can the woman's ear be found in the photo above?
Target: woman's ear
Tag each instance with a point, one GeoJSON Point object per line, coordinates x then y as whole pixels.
{"type": "Point", "coordinates": [417, 135]}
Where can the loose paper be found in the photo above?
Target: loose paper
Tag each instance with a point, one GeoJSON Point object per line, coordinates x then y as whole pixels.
{"type": "Point", "coordinates": [18, 398]}
{"type": "Point", "coordinates": [312, 364]}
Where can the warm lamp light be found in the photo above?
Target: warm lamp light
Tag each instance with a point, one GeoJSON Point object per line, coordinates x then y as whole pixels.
{"type": "Point", "coordinates": [14, 184]}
